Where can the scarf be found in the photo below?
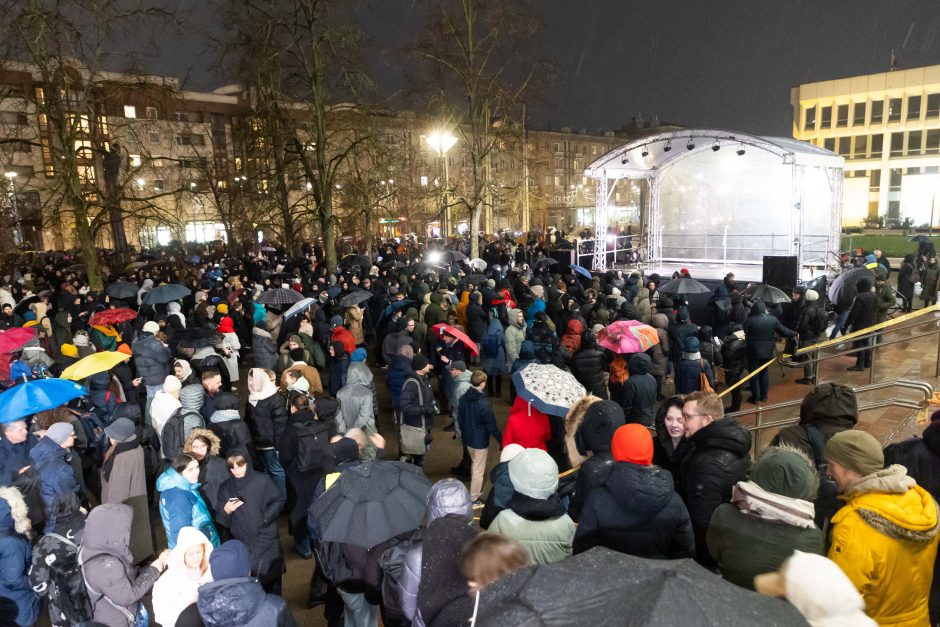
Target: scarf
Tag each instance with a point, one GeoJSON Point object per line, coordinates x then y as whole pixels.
{"type": "Point", "coordinates": [750, 498]}
{"type": "Point", "coordinates": [892, 480]}
{"type": "Point", "coordinates": [537, 509]}
{"type": "Point", "coordinates": [259, 386]}
{"type": "Point", "coordinates": [107, 330]}
{"type": "Point", "coordinates": [120, 447]}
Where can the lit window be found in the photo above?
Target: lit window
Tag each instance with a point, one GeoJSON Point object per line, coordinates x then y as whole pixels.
{"type": "Point", "coordinates": [151, 113]}
{"type": "Point", "coordinates": [130, 111]}
{"type": "Point", "coordinates": [159, 184]}
{"type": "Point", "coordinates": [424, 181]}
{"type": "Point", "coordinates": [135, 161]}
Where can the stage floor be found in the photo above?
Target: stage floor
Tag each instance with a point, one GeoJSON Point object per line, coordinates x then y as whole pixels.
{"type": "Point", "coordinates": [743, 273]}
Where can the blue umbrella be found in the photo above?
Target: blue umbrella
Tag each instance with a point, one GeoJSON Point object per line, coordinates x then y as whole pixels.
{"type": "Point", "coordinates": [31, 397]}
{"type": "Point", "coordinates": [581, 270]}
{"type": "Point", "coordinates": [398, 304]}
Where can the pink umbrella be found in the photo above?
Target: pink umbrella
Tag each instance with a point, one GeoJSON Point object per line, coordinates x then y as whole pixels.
{"type": "Point", "coordinates": [628, 336]}
{"type": "Point", "coordinates": [442, 328]}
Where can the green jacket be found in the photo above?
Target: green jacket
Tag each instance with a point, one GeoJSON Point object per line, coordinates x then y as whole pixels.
{"type": "Point", "coordinates": [745, 546]}
{"type": "Point", "coordinates": [315, 350]}
{"type": "Point", "coordinates": [886, 300]}
{"type": "Point", "coordinates": [547, 541]}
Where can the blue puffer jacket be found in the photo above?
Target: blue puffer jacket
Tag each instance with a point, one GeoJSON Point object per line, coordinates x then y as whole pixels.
{"type": "Point", "coordinates": [398, 371]}
{"type": "Point", "coordinates": [98, 395]}
{"type": "Point", "coordinates": [16, 556]}
{"type": "Point", "coordinates": [13, 457]}
{"type": "Point", "coordinates": [55, 474]}
{"type": "Point", "coordinates": [181, 505]}
{"type": "Point", "coordinates": [151, 358]}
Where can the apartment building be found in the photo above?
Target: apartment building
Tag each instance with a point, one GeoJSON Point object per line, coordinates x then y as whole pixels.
{"type": "Point", "coordinates": [887, 126]}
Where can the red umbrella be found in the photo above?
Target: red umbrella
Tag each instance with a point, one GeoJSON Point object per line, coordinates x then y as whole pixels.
{"type": "Point", "coordinates": [442, 328]}
{"type": "Point", "coordinates": [16, 338]}
{"type": "Point", "coordinates": [231, 298]}
{"type": "Point", "coordinates": [113, 316]}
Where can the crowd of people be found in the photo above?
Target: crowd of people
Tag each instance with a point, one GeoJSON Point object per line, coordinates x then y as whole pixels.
{"type": "Point", "coordinates": [162, 495]}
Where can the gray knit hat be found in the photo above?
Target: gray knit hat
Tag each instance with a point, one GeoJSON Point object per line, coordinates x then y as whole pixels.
{"type": "Point", "coordinates": [60, 432]}
{"type": "Point", "coordinates": [534, 473]}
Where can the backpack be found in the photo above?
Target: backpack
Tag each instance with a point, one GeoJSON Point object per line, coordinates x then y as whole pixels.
{"type": "Point", "coordinates": [490, 345]}
{"type": "Point", "coordinates": [312, 446]}
{"type": "Point", "coordinates": [65, 572]}
{"type": "Point", "coordinates": [173, 436]}
{"type": "Point", "coordinates": [827, 503]}
{"type": "Point", "coordinates": [392, 562]}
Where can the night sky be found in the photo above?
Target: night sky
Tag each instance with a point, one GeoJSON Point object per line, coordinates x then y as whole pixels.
{"type": "Point", "coordinates": [700, 63]}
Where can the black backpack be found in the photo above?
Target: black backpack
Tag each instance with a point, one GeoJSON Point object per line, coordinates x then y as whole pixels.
{"type": "Point", "coordinates": [173, 436]}
{"type": "Point", "coordinates": [392, 562]}
{"type": "Point", "coordinates": [66, 573]}
{"type": "Point", "coordinates": [313, 445]}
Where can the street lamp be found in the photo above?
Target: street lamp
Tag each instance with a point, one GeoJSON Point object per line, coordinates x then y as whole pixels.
{"type": "Point", "coordinates": [440, 142]}
{"type": "Point", "coordinates": [17, 227]}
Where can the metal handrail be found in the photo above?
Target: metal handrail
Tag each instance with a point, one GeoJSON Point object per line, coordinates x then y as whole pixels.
{"type": "Point", "coordinates": [922, 386]}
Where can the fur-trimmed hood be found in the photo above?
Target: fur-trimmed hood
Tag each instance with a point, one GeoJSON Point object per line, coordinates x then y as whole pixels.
{"type": "Point", "coordinates": [573, 420]}
{"type": "Point", "coordinates": [14, 515]}
{"type": "Point", "coordinates": [215, 443]}
{"type": "Point", "coordinates": [892, 503]}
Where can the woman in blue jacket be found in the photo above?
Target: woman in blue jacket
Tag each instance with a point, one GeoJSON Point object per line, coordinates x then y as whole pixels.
{"type": "Point", "coordinates": [181, 504]}
{"type": "Point", "coordinates": [16, 556]}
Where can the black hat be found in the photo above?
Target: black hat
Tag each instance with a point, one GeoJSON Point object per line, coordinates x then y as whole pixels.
{"type": "Point", "coordinates": [419, 362]}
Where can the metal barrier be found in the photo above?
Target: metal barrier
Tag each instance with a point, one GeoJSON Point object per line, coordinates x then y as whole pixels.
{"type": "Point", "coordinates": [760, 426]}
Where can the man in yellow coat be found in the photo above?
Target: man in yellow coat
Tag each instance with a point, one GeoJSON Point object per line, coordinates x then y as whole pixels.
{"type": "Point", "coordinates": [885, 536]}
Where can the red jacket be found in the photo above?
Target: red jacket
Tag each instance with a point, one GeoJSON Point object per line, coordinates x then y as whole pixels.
{"type": "Point", "coordinates": [342, 334]}
{"type": "Point", "coordinates": [527, 426]}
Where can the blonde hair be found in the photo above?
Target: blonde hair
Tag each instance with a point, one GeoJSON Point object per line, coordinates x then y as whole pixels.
{"type": "Point", "coordinates": [708, 403]}
{"type": "Point", "coordinates": [489, 556]}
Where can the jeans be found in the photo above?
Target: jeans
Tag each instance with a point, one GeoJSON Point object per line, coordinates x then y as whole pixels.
{"type": "Point", "coordinates": [840, 322]}
{"type": "Point", "coordinates": [273, 464]}
{"type": "Point", "coordinates": [760, 383]}
{"type": "Point", "coordinates": [358, 611]}
{"type": "Point", "coordinates": [302, 540]}
{"type": "Point", "coordinates": [862, 358]}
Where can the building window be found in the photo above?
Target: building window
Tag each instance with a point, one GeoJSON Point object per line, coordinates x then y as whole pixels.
{"type": "Point", "coordinates": [897, 144]}
{"type": "Point", "coordinates": [86, 174]}
{"type": "Point", "coordinates": [151, 236]}
{"type": "Point", "coordinates": [933, 105]}
{"type": "Point", "coordinates": [130, 111]}
{"type": "Point", "coordinates": [159, 184]}
{"type": "Point", "coordinates": [877, 111]}
{"type": "Point", "coordinates": [204, 231]}
{"type": "Point", "coordinates": [153, 137]}
{"type": "Point", "coordinates": [933, 142]}
{"type": "Point", "coordinates": [180, 116]}
{"type": "Point", "coordinates": [135, 161]}
{"type": "Point", "coordinates": [894, 184]}
{"type": "Point", "coordinates": [809, 119]}
{"type": "Point", "coordinates": [826, 121]}
{"type": "Point", "coordinates": [894, 109]}
{"type": "Point", "coordinates": [874, 183]}
{"type": "Point", "coordinates": [877, 144]}
{"type": "Point", "coordinates": [424, 181]}
{"type": "Point", "coordinates": [829, 144]}
{"type": "Point", "coordinates": [861, 147]}
{"type": "Point", "coordinates": [151, 113]}
{"type": "Point", "coordinates": [844, 146]}
{"type": "Point", "coordinates": [915, 141]}
{"type": "Point", "coordinates": [842, 116]}
{"type": "Point", "coordinates": [858, 114]}
{"type": "Point", "coordinates": [913, 107]}
{"type": "Point", "coordinates": [557, 181]}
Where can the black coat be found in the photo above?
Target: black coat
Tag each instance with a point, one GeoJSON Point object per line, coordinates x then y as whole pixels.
{"type": "Point", "coordinates": [864, 311]}
{"type": "Point", "coordinates": [588, 366]}
{"type": "Point", "coordinates": [255, 522]}
{"type": "Point", "coordinates": [442, 594]}
{"type": "Point", "coordinates": [639, 391]}
{"type": "Point", "coordinates": [303, 484]}
{"type": "Point", "coordinates": [636, 511]}
{"type": "Point", "coordinates": [267, 420]}
{"type": "Point", "coordinates": [477, 322]}
{"type": "Point", "coordinates": [591, 474]}
{"type": "Point", "coordinates": [718, 457]}
{"type": "Point", "coordinates": [151, 358]}
{"type": "Point", "coordinates": [759, 330]}
{"type": "Point", "coordinates": [734, 354]}
{"type": "Point", "coordinates": [417, 407]}
{"type": "Point", "coordinates": [241, 602]}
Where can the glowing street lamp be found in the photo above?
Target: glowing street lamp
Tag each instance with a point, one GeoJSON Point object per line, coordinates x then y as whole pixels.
{"type": "Point", "coordinates": [440, 142]}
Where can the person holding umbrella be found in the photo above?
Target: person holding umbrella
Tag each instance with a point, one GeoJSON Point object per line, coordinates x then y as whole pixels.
{"type": "Point", "coordinates": [759, 331]}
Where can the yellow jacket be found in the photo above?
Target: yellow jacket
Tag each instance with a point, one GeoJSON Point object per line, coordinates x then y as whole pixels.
{"type": "Point", "coordinates": [462, 308]}
{"type": "Point", "coordinates": [885, 540]}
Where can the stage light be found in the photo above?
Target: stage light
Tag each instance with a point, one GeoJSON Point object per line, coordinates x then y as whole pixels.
{"type": "Point", "coordinates": [716, 146]}
{"type": "Point", "coordinates": [645, 152]}
{"type": "Point", "coordinates": [740, 150]}
{"type": "Point", "coordinates": [690, 145]}
{"type": "Point", "coordinates": [668, 146]}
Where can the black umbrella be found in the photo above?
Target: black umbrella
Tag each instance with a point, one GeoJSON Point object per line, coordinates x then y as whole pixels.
{"type": "Point", "coordinates": [452, 256]}
{"type": "Point", "coordinates": [166, 294]}
{"type": "Point", "coordinates": [589, 590]}
{"type": "Point", "coordinates": [844, 288]}
{"type": "Point", "coordinates": [24, 304]}
{"type": "Point", "coordinates": [371, 503]}
{"type": "Point", "coordinates": [684, 285]}
{"type": "Point", "coordinates": [198, 338]}
{"type": "Point", "coordinates": [394, 265]}
{"type": "Point", "coordinates": [767, 294]}
{"type": "Point", "coordinates": [350, 261]}
{"type": "Point", "coordinates": [477, 279]}
{"type": "Point", "coordinates": [395, 306]}
{"type": "Point", "coordinates": [544, 263]}
{"type": "Point", "coordinates": [354, 298]}
{"type": "Point", "coordinates": [921, 238]}
{"type": "Point", "coordinates": [280, 296]}
{"type": "Point", "coordinates": [122, 289]}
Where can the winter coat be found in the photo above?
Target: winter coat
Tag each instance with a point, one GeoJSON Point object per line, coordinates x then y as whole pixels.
{"type": "Point", "coordinates": [232, 431]}
{"type": "Point", "coordinates": [830, 407]}
{"type": "Point", "coordinates": [128, 485]}
{"type": "Point", "coordinates": [588, 366]}
{"type": "Point", "coordinates": [717, 458]}
{"type": "Point", "coordinates": [182, 505]}
{"type": "Point", "coordinates": [885, 540]}
{"type": "Point", "coordinates": [442, 591]}
{"type": "Point", "coordinates": [477, 420]}
{"type": "Point", "coordinates": [13, 457]}
{"type": "Point", "coordinates": [356, 403]}
{"type": "Point", "coordinates": [213, 471]}
{"type": "Point", "coordinates": [461, 386]}
{"type": "Point", "coordinates": [398, 371]}
{"type": "Point", "coordinates": [572, 337]}
{"type": "Point", "coordinates": [354, 324]}
{"type": "Point", "coordinates": [929, 279]}
{"type": "Point", "coordinates": [16, 557]}
{"type": "Point", "coordinates": [417, 401]}
{"type": "Point", "coordinates": [304, 483]}
{"type": "Point", "coordinates": [639, 392]}
{"type": "Point", "coordinates": [641, 302]}
{"type": "Point", "coordinates": [113, 588]}
{"type": "Point", "coordinates": [55, 472]}
{"type": "Point", "coordinates": [734, 354]}
{"type": "Point", "coordinates": [864, 311]}
{"type": "Point", "coordinates": [660, 352]}
{"type": "Point", "coordinates": [906, 280]}
{"type": "Point", "coordinates": [759, 330]}
{"type": "Point", "coordinates": [242, 602]}
{"type": "Point", "coordinates": [266, 419]}
{"type": "Point", "coordinates": [527, 426]}
{"type": "Point", "coordinates": [477, 322]}
{"type": "Point", "coordinates": [498, 498]}
{"type": "Point", "coordinates": [688, 374]}
{"type": "Point", "coordinates": [255, 522]}
{"type": "Point", "coordinates": [263, 349]}
{"type": "Point", "coordinates": [48, 549]}
{"type": "Point", "coordinates": [636, 511]}
{"type": "Point", "coordinates": [230, 340]}
{"type": "Point", "coordinates": [495, 364]}
{"type": "Point", "coordinates": [176, 590]}
{"type": "Point", "coordinates": [515, 335]}
{"type": "Point", "coordinates": [151, 359]}
{"type": "Point", "coordinates": [541, 526]}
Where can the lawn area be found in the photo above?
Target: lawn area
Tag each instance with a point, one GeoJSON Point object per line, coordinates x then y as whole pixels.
{"type": "Point", "coordinates": [890, 245]}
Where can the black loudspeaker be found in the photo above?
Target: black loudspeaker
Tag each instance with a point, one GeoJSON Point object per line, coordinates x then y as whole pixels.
{"type": "Point", "coordinates": [780, 272]}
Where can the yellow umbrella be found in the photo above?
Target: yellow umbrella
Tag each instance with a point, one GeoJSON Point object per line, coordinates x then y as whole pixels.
{"type": "Point", "coordinates": [93, 364]}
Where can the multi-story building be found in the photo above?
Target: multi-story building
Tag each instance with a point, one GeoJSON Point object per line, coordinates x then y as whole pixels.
{"type": "Point", "coordinates": [887, 126]}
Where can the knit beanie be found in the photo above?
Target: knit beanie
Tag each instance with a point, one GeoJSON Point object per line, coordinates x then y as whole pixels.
{"type": "Point", "coordinates": [812, 296]}
{"type": "Point", "coordinates": [124, 348]}
{"type": "Point", "coordinates": [534, 473]}
{"type": "Point", "coordinates": [358, 355]}
{"type": "Point", "coordinates": [151, 327]}
{"type": "Point", "coordinates": [419, 362]}
{"type": "Point", "coordinates": [60, 432]}
{"type": "Point", "coordinates": [633, 443]}
{"type": "Point", "coordinates": [171, 384]}
{"type": "Point", "coordinates": [222, 308]}
{"type": "Point", "coordinates": [510, 451]}
{"type": "Point", "coordinates": [68, 350]}
{"type": "Point", "coordinates": [230, 561]}
{"type": "Point", "coordinates": [80, 339]}
{"type": "Point", "coordinates": [786, 471]}
{"type": "Point", "coordinates": [859, 451]}
{"type": "Point", "coordinates": [336, 321]}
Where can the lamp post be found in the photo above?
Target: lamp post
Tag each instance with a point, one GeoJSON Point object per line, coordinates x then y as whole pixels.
{"type": "Point", "coordinates": [440, 142]}
{"type": "Point", "coordinates": [17, 227]}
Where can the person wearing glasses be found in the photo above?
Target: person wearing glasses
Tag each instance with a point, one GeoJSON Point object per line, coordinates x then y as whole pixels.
{"type": "Point", "coordinates": [717, 457]}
